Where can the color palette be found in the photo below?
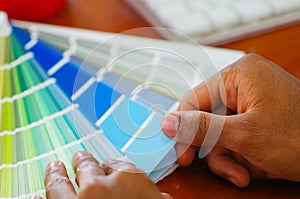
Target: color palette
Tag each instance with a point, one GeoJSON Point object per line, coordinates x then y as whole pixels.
{"type": "Point", "coordinates": [42, 121]}
{"type": "Point", "coordinates": [38, 125]}
{"type": "Point", "coordinates": [67, 90]}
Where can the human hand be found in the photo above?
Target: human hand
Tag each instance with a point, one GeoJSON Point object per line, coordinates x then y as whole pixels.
{"type": "Point", "coordinates": [261, 133]}
{"type": "Point", "coordinates": [113, 180]}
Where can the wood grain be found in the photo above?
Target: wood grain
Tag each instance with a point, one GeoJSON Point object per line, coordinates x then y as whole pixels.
{"type": "Point", "coordinates": [196, 181]}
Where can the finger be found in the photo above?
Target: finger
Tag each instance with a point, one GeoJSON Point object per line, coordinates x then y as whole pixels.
{"type": "Point", "coordinates": [110, 166]}
{"type": "Point", "coordinates": [220, 89]}
{"type": "Point", "coordinates": [87, 168]}
{"type": "Point", "coordinates": [204, 97]}
{"type": "Point", "coordinates": [57, 182]}
{"type": "Point", "coordinates": [166, 196]}
{"type": "Point", "coordinates": [185, 154]}
{"type": "Point", "coordinates": [255, 172]}
{"type": "Point", "coordinates": [222, 164]}
{"type": "Point", "coordinates": [194, 127]}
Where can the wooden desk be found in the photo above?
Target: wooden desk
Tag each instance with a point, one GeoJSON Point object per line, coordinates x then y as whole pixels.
{"type": "Point", "coordinates": [196, 181]}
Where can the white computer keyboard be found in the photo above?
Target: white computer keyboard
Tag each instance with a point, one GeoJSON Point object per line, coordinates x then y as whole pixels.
{"type": "Point", "coordinates": [217, 21]}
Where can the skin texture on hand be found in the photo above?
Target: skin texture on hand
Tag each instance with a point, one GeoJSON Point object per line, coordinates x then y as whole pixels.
{"type": "Point", "coordinates": [259, 105]}
{"type": "Point", "coordinates": [113, 180]}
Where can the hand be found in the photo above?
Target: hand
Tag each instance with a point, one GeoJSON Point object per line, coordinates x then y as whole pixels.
{"type": "Point", "coordinates": [261, 133]}
{"type": "Point", "coordinates": [113, 180]}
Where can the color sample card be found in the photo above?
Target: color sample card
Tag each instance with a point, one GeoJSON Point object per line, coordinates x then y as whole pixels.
{"type": "Point", "coordinates": [52, 107]}
{"type": "Point", "coordinates": [64, 90]}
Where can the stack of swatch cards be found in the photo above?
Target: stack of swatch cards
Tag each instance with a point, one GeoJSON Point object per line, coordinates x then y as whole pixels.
{"type": "Point", "coordinates": [63, 90]}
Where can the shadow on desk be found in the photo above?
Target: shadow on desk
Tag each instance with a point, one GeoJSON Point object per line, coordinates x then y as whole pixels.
{"type": "Point", "coordinates": [196, 181]}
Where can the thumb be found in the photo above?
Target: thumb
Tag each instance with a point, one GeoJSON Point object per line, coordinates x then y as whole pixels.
{"type": "Point", "coordinates": [200, 128]}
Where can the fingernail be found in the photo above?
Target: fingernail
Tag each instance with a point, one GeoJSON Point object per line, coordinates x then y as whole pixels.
{"type": "Point", "coordinates": [170, 125]}
{"type": "Point", "coordinates": [166, 196]}
{"type": "Point", "coordinates": [81, 153]}
{"type": "Point", "coordinates": [55, 167]}
{"type": "Point", "coordinates": [78, 155]}
{"type": "Point", "coordinates": [233, 181]}
{"type": "Point", "coordinates": [55, 164]}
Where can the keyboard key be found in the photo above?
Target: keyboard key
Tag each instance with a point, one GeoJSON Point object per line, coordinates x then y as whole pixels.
{"type": "Point", "coordinates": [154, 4]}
{"type": "Point", "coordinates": [192, 25]}
{"type": "Point", "coordinates": [223, 17]}
{"type": "Point", "coordinates": [251, 11]}
{"type": "Point", "coordinates": [173, 12]}
{"type": "Point", "coordinates": [218, 21]}
{"type": "Point", "coordinates": [283, 6]}
{"type": "Point", "coordinates": [196, 6]}
{"type": "Point", "coordinates": [218, 3]}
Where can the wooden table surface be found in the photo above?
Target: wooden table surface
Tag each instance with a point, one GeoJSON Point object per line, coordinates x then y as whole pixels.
{"type": "Point", "coordinates": [196, 181]}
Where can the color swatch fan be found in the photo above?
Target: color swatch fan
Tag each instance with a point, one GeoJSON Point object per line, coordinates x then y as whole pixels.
{"type": "Point", "coordinates": [37, 123]}
{"type": "Point", "coordinates": [63, 90]}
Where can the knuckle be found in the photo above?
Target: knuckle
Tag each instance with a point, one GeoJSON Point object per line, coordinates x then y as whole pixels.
{"type": "Point", "coordinates": [248, 63]}
{"type": "Point", "coordinates": [252, 57]}
{"type": "Point", "coordinates": [56, 183]}
{"type": "Point", "coordinates": [193, 127]}
{"type": "Point", "coordinates": [87, 165]}
{"type": "Point", "coordinates": [121, 166]}
{"type": "Point", "coordinates": [254, 64]}
{"type": "Point", "coordinates": [203, 121]}
{"type": "Point", "coordinates": [52, 171]}
{"type": "Point", "coordinates": [84, 160]}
